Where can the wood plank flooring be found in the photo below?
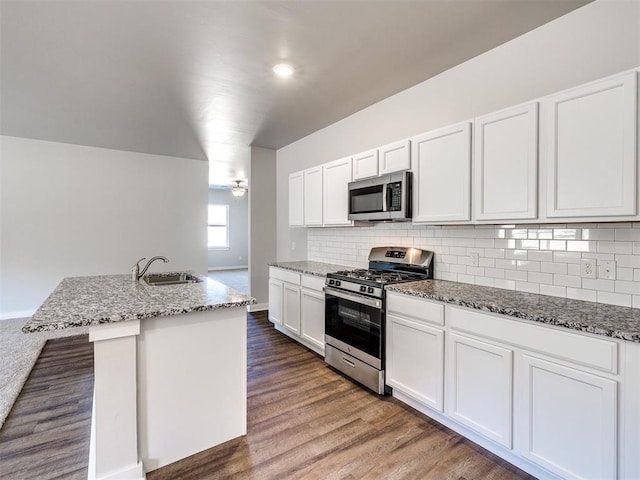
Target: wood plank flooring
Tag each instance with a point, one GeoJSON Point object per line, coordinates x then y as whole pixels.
{"type": "Point", "coordinates": [305, 422]}
{"type": "Point", "coordinates": [46, 435]}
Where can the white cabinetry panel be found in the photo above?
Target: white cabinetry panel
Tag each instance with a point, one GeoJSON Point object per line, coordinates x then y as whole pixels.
{"type": "Point", "coordinates": [479, 393]}
{"type": "Point", "coordinates": [291, 304]}
{"type": "Point", "coordinates": [335, 205]}
{"type": "Point", "coordinates": [313, 196]}
{"type": "Point", "coordinates": [569, 420]}
{"type": "Point", "coordinates": [591, 153]}
{"type": "Point", "coordinates": [312, 321]}
{"type": "Point", "coordinates": [442, 173]}
{"type": "Point", "coordinates": [296, 199]}
{"type": "Point", "coordinates": [275, 301]}
{"type": "Point", "coordinates": [395, 157]}
{"type": "Point", "coordinates": [506, 164]}
{"type": "Point", "coordinates": [415, 360]}
{"type": "Point", "coordinates": [365, 164]}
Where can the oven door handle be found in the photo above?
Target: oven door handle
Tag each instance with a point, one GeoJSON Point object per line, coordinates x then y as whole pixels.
{"type": "Point", "coordinates": [370, 302]}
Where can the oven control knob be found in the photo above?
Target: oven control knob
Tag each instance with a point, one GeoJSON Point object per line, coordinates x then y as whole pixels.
{"type": "Point", "coordinates": [331, 282]}
{"type": "Point", "coordinates": [363, 288]}
{"type": "Point", "coordinates": [337, 283]}
{"type": "Point", "coordinates": [370, 289]}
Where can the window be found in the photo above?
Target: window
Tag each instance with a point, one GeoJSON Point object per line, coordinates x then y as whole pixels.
{"type": "Point", "coordinates": [218, 226]}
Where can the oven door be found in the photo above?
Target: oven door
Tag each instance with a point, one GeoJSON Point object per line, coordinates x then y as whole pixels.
{"type": "Point", "coordinates": [354, 324]}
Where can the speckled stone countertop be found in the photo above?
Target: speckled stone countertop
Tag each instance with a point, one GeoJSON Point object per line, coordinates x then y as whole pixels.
{"type": "Point", "coordinates": [79, 301]}
{"type": "Point", "coordinates": [318, 269]}
{"type": "Point", "coordinates": [598, 318]}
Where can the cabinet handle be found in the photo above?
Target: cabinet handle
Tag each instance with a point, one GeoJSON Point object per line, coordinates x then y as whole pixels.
{"type": "Point", "coordinates": [349, 362]}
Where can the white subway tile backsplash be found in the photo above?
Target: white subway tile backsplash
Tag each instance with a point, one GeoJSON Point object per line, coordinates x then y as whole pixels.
{"type": "Point", "coordinates": [621, 299]}
{"type": "Point", "coordinates": [525, 257]}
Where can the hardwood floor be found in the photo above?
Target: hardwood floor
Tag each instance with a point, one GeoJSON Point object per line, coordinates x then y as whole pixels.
{"type": "Point", "coordinates": [305, 421]}
{"type": "Point", "coordinates": [46, 435]}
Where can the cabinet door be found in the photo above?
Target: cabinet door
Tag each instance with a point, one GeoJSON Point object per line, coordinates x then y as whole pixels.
{"type": "Point", "coordinates": [442, 172]}
{"type": "Point", "coordinates": [591, 154]}
{"type": "Point", "coordinates": [312, 321]}
{"type": "Point", "coordinates": [313, 196]}
{"type": "Point", "coordinates": [395, 157]}
{"type": "Point", "coordinates": [506, 164]}
{"type": "Point", "coordinates": [479, 387]}
{"type": "Point", "coordinates": [291, 307]}
{"type": "Point", "coordinates": [296, 199]}
{"type": "Point", "coordinates": [365, 164]}
{"type": "Point", "coordinates": [569, 420]}
{"type": "Point", "coordinates": [415, 360]}
{"type": "Point", "coordinates": [275, 301]}
{"type": "Point", "coordinates": [335, 205]}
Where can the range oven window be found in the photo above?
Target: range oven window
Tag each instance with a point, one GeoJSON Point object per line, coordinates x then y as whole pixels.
{"type": "Point", "coordinates": [366, 200]}
{"type": "Point", "coordinates": [354, 323]}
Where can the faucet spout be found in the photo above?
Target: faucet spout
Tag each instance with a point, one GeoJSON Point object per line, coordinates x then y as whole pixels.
{"type": "Point", "coordinates": [137, 274]}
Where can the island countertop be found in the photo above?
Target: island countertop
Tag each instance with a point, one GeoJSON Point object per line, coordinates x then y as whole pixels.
{"type": "Point", "coordinates": [80, 301]}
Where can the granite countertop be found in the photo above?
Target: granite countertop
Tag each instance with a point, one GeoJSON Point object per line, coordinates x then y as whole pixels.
{"type": "Point", "coordinates": [79, 301]}
{"type": "Point", "coordinates": [601, 319]}
{"type": "Point", "coordinates": [318, 269]}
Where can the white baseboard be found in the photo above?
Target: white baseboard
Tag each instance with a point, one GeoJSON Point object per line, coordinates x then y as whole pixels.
{"type": "Point", "coordinates": [20, 314]}
{"type": "Point", "coordinates": [258, 307]}
{"type": "Point", "coordinates": [237, 267]}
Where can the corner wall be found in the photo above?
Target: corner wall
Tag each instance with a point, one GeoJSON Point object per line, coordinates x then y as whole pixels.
{"type": "Point", "coordinates": [262, 221]}
{"type": "Point", "coordinates": [69, 210]}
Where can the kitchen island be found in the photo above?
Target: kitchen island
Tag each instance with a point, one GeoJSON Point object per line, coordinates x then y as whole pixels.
{"type": "Point", "coordinates": [170, 367]}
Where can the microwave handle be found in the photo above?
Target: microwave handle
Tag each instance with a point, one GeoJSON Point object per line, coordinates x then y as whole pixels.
{"type": "Point", "coordinates": [385, 206]}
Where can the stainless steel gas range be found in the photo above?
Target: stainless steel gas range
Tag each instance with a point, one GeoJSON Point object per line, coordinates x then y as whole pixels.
{"type": "Point", "coordinates": [355, 306]}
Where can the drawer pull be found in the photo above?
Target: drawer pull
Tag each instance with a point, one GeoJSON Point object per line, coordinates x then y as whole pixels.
{"type": "Point", "coordinates": [348, 362]}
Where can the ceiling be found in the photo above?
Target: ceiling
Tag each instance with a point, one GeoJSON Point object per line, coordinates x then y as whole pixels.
{"type": "Point", "coordinates": [193, 79]}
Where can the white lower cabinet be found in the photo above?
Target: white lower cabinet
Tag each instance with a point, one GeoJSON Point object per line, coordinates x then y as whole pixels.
{"type": "Point", "coordinates": [291, 303]}
{"type": "Point", "coordinates": [415, 349]}
{"type": "Point", "coordinates": [480, 386]}
{"type": "Point", "coordinates": [557, 403]}
{"type": "Point", "coordinates": [275, 301]}
{"type": "Point", "coordinates": [568, 420]}
{"type": "Point", "coordinates": [312, 309]}
{"type": "Point", "coordinates": [296, 306]}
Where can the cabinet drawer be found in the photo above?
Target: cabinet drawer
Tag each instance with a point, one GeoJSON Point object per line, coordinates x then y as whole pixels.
{"type": "Point", "coordinates": [574, 347]}
{"type": "Point", "coordinates": [284, 275]}
{"type": "Point", "coordinates": [418, 309]}
{"type": "Point", "coordinates": [313, 282]}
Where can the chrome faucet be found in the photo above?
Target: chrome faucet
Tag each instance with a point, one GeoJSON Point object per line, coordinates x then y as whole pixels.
{"type": "Point", "coordinates": [136, 274]}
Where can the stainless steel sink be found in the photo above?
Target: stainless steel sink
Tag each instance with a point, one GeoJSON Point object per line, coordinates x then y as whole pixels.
{"type": "Point", "coordinates": [178, 278]}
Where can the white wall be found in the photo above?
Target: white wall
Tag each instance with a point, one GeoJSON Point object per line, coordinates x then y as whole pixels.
{"type": "Point", "coordinates": [69, 210]}
{"type": "Point", "coordinates": [236, 256]}
{"type": "Point", "coordinates": [262, 221]}
{"type": "Point", "coordinates": [597, 40]}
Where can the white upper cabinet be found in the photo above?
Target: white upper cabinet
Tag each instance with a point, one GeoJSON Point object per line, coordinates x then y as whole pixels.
{"type": "Point", "coordinates": [336, 177]}
{"type": "Point", "coordinates": [296, 199]}
{"type": "Point", "coordinates": [365, 164]}
{"type": "Point", "coordinates": [506, 164]}
{"type": "Point", "coordinates": [313, 197]}
{"type": "Point", "coordinates": [591, 151]}
{"type": "Point", "coordinates": [395, 157]}
{"type": "Point", "coordinates": [442, 175]}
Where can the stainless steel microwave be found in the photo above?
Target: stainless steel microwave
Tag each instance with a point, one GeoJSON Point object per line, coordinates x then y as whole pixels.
{"type": "Point", "coordinates": [379, 199]}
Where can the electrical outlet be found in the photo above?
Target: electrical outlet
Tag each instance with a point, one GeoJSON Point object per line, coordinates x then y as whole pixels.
{"type": "Point", "coordinates": [588, 268]}
{"type": "Point", "coordinates": [607, 270]}
{"type": "Point", "coordinates": [293, 246]}
{"type": "Point", "coordinates": [475, 259]}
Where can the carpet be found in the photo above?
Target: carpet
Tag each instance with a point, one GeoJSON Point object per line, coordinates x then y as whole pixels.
{"type": "Point", "coordinates": [18, 354]}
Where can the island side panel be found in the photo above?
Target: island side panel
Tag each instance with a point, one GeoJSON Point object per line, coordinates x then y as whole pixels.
{"type": "Point", "coordinates": [192, 383]}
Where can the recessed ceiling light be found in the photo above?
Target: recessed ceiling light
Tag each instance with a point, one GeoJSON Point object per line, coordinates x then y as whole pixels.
{"type": "Point", "coordinates": [283, 70]}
